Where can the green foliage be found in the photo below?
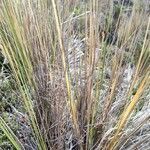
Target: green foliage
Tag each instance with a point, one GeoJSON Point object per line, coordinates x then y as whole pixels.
{"type": "Point", "coordinates": [7, 95]}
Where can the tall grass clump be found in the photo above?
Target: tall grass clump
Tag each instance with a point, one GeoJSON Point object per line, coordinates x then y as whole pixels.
{"type": "Point", "coordinates": [82, 72]}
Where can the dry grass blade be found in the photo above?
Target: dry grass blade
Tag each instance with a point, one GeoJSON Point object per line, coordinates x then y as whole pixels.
{"type": "Point", "coordinates": [127, 112]}
{"type": "Point", "coordinates": [71, 102]}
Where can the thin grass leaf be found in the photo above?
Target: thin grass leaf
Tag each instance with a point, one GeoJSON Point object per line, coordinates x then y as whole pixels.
{"type": "Point", "coordinates": [10, 135]}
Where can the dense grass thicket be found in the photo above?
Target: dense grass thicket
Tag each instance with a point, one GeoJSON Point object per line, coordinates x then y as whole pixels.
{"type": "Point", "coordinates": [74, 74]}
